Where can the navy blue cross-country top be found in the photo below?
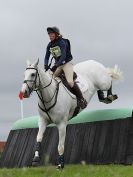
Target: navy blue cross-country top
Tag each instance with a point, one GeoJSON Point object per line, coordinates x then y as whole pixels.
{"type": "Point", "coordinates": [60, 50]}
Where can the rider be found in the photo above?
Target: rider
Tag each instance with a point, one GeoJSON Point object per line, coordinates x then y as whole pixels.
{"type": "Point", "coordinates": [61, 52]}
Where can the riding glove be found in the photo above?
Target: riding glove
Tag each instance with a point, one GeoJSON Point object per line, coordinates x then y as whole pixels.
{"type": "Point", "coordinates": [46, 67]}
{"type": "Point", "coordinates": [53, 69]}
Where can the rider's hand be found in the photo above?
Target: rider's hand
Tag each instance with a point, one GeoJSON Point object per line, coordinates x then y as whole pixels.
{"type": "Point", "coordinates": [46, 67]}
{"type": "Point", "coordinates": [53, 69]}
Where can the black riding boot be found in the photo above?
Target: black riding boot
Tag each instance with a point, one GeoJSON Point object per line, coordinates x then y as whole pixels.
{"type": "Point", "coordinates": [76, 91]}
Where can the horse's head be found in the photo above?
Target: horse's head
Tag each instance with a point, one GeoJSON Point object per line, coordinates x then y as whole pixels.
{"type": "Point", "coordinates": [30, 79]}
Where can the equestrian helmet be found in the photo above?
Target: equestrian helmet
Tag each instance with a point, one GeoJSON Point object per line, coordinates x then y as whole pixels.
{"type": "Point", "coordinates": [53, 29]}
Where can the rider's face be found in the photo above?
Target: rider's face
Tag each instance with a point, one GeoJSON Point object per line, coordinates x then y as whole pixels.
{"type": "Point", "coordinates": [52, 36]}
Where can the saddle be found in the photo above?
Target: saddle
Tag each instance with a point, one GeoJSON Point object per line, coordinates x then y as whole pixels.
{"type": "Point", "coordinates": [65, 83]}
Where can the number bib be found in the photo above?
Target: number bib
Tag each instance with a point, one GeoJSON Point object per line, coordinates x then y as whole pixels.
{"type": "Point", "coordinates": [55, 51]}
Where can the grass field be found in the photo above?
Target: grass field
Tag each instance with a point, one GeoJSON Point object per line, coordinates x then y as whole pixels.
{"type": "Point", "coordinates": [71, 171]}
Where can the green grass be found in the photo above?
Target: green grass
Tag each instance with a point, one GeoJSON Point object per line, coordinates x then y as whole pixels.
{"type": "Point", "coordinates": [71, 171]}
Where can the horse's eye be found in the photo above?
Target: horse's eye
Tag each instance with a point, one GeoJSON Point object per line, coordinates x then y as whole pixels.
{"type": "Point", "coordinates": [32, 75]}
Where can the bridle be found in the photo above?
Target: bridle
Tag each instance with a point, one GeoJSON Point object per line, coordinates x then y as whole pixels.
{"type": "Point", "coordinates": [31, 81]}
{"type": "Point", "coordinates": [37, 89]}
{"type": "Point", "coordinates": [34, 81]}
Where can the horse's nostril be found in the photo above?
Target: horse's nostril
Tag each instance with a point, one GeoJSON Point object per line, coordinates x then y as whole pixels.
{"type": "Point", "coordinates": [25, 93]}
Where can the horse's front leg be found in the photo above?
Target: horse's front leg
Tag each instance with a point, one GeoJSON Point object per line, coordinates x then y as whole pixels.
{"type": "Point", "coordinates": [37, 156]}
{"type": "Point", "coordinates": [62, 135]}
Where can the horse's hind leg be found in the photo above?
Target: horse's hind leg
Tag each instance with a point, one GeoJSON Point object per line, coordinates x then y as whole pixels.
{"type": "Point", "coordinates": [37, 156]}
{"type": "Point", "coordinates": [62, 135]}
{"type": "Point", "coordinates": [110, 95]}
{"type": "Point", "coordinates": [109, 92]}
{"type": "Point", "coordinates": [102, 98]}
{"type": "Point", "coordinates": [100, 94]}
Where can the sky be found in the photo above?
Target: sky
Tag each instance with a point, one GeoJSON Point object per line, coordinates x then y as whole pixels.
{"type": "Point", "coordinates": [99, 30]}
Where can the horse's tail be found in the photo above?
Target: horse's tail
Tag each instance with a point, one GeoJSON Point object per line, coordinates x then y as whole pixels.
{"type": "Point", "coordinates": [115, 73]}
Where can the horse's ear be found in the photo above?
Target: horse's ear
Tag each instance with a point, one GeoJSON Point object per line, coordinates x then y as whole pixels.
{"type": "Point", "coordinates": [35, 64]}
{"type": "Point", "coordinates": [28, 63]}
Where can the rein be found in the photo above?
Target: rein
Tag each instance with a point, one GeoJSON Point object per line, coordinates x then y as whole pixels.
{"type": "Point", "coordinates": [46, 110]}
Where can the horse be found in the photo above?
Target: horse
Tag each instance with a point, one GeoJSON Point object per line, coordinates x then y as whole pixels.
{"type": "Point", "coordinates": [56, 104]}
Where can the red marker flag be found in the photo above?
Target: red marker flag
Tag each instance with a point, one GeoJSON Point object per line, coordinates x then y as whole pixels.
{"type": "Point", "coordinates": [20, 95]}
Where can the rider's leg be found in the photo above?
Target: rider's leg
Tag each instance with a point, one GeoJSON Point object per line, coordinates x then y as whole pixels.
{"type": "Point", "coordinates": [58, 71]}
{"type": "Point", "coordinates": [68, 70]}
{"type": "Point", "coordinates": [81, 101]}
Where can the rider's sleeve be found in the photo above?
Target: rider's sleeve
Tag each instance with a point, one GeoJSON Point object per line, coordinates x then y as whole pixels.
{"type": "Point", "coordinates": [47, 55]}
{"type": "Point", "coordinates": [62, 58]}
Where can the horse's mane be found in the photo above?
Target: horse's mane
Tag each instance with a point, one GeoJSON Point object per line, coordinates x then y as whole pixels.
{"type": "Point", "coordinates": [44, 73]}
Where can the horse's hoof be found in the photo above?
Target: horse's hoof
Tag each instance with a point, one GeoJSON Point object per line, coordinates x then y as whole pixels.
{"type": "Point", "coordinates": [60, 167]}
{"type": "Point", "coordinates": [115, 97]}
{"type": "Point", "coordinates": [112, 97]}
{"type": "Point", "coordinates": [35, 164]}
{"type": "Point", "coordinates": [106, 101]}
{"type": "Point", "coordinates": [36, 161]}
{"type": "Point", "coordinates": [60, 162]}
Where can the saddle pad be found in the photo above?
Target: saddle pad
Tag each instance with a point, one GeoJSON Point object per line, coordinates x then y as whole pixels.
{"type": "Point", "coordinates": [82, 83]}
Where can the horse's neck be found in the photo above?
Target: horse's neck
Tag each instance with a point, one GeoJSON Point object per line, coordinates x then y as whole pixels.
{"type": "Point", "coordinates": [45, 80]}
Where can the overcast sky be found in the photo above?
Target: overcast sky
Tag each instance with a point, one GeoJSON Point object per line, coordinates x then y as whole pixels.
{"type": "Point", "coordinates": [98, 29]}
